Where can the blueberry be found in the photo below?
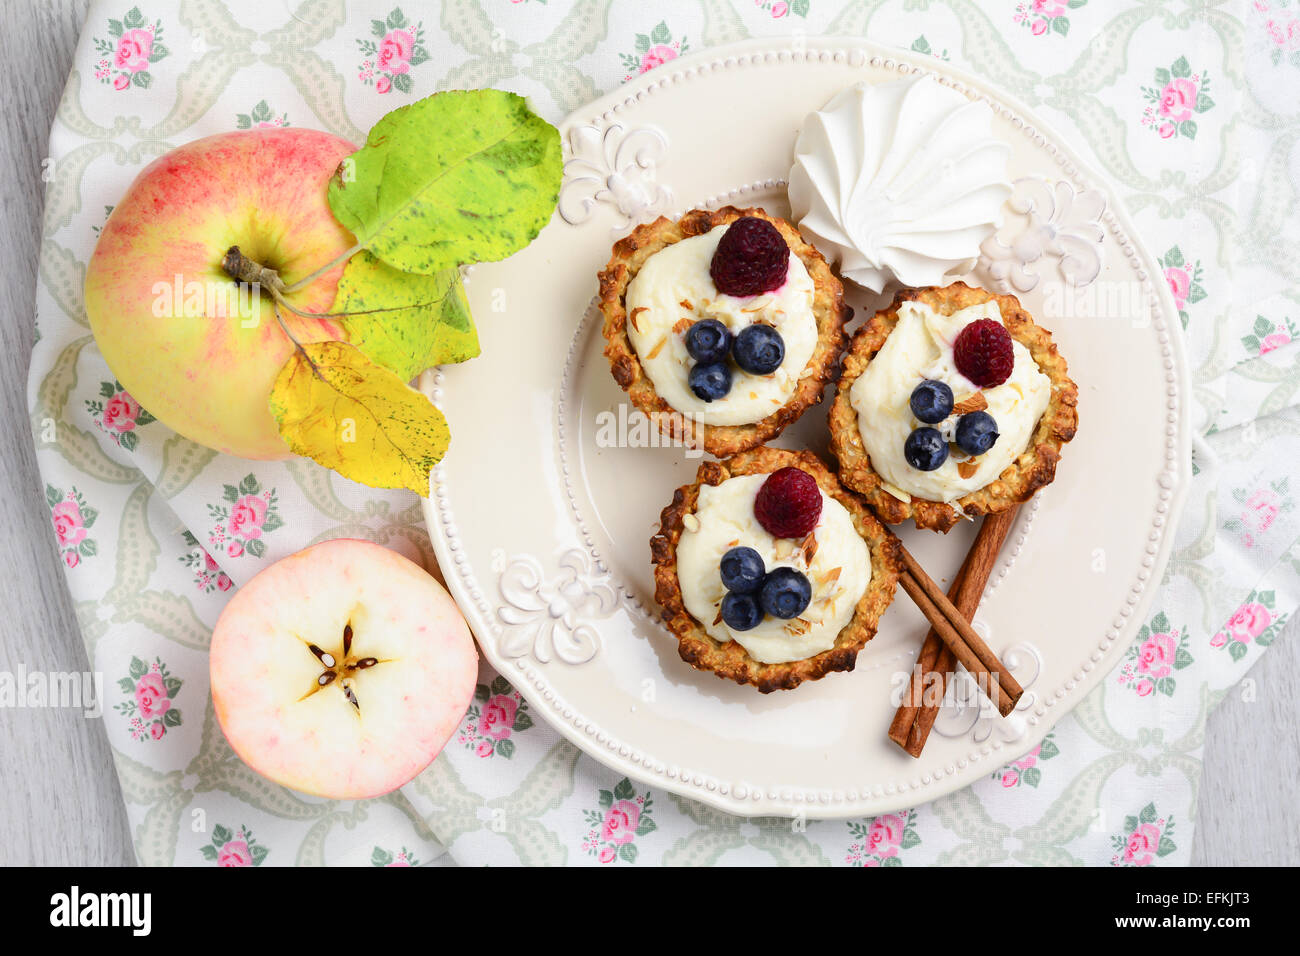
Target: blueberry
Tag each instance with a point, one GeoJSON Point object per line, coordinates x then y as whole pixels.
{"type": "Point", "coordinates": [708, 341]}
{"type": "Point", "coordinates": [925, 449]}
{"type": "Point", "coordinates": [786, 592]}
{"type": "Point", "coordinates": [931, 401]}
{"type": "Point", "coordinates": [977, 432]}
{"type": "Point", "coordinates": [742, 570]}
{"type": "Point", "coordinates": [710, 382]}
{"type": "Point", "coordinates": [759, 349]}
{"type": "Point", "coordinates": [741, 612]}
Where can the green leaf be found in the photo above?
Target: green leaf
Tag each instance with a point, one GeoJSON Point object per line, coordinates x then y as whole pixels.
{"type": "Point", "coordinates": [910, 839]}
{"type": "Point", "coordinates": [1060, 25]}
{"type": "Point", "coordinates": [1160, 623]}
{"type": "Point", "coordinates": [1048, 750]}
{"type": "Point", "coordinates": [799, 7]}
{"type": "Point", "coordinates": [642, 43]}
{"type": "Point", "coordinates": [1204, 102]}
{"type": "Point", "coordinates": [380, 857]}
{"type": "Point", "coordinates": [256, 547]}
{"type": "Point", "coordinates": [606, 799]}
{"type": "Point", "coordinates": [137, 668]}
{"type": "Point", "coordinates": [522, 720]}
{"type": "Point", "coordinates": [1130, 824]}
{"type": "Point", "coordinates": [1148, 813]}
{"type": "Point", "coordinates": [425, 321]}
{"type": "Point", "coordinates": [1266, 598]}
{"type": "Point", "coordinates": [88, 548]}
{"type": "Point", "coordinates": [173, 685]}
{"type": "Point", "coordinates": [402, 82]}
{"type": "Point", "coordinates": [1265, 639]}
{"type": "Point", "coordinates": [172, 718]}
{"type": "Point", "coordinates": [1174, 257]}
{"type": "Point", "coordinates": [88, 516]}
{"type": "Point", "coordinates": [1076, 4]}
{"type": "Point", "coordinates": [134, 18]}
{"type": "Point", "coordinates": [345, 412]}
{"type": "Point", "coordinates": [1195, 292]}
{"type": "Point", "coordinates": [52, 495]}
{"type": "Point", "coordinates": [459, 176]}
{"type": "Point", "coordinates": [378, 29]}
{"type": "Point", "coordinates": [418, 55]}
{"type": "Point", "coordinates": [1262, 326]}
{"type": "Point", "coordinates": [158, 52]}
{"type": "Point", "coordinates": [272, 522]}
{"type": "Point", "coordinates": [109, 389]}
{"type": "Point", "coordinates": [1165, 847]}
{"type": "Point", "coordinates": [220, 835]}
{"type": "Point", "coordinates": [1162, 76]}
{"type": "Point", "coordinates": [920, 44]}
{"type": "Point", "coordinates": [396, 19]}
{"type": "Point", "coordinates": [627, 852]}
{"type": "Point", "coordinates": [1250, 343]}
{"type": "Point", "coordinates": [230, 493]}
{"type": "Point", "coordinates": [1032, 776]}
{"type": "Point", "coordinates": [142, 79]}
{"type": "Point", "coordinates": [660, 33]}
{"type": "Point", "coordinates": [258, 853]}
{"type": "Point", "coordinates": [624, 790]}
{"type": "Point", "coordinates": [505, 748]}
{"type": "Point", "coordinates": [249, 485]}
{"type": "Point", "coordinates": [500, 685]}
{"type": "Point", "coordinates": [1180, 67]}
{"type": "Point", "coordinates": [209, 851]}
{"type": "Point", "coordinates": [1187, 128]}
{"type": "Point", "coordinates": [646, 825]}
{"type": "Point", "coordinates": [115, 28]}
{"type": "Point", "coordinates": [891, 861]}
{"type": "Point", "coordinates": [1167, 686]}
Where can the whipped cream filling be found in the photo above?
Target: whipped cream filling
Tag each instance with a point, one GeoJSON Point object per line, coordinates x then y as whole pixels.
{"type": "Point", "coordinates": [673, 290]}
{"type": "Point", "coordinates": [899, 180]}
{"type": "Point", "coordinates": [839, 571]}
{"type": "Point", "coordinates": [919, 348]}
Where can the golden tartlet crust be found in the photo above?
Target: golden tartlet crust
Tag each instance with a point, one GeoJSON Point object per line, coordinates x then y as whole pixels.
{"type": "Point", "coordinates": [730, 660]}
{"type": "Point", "coordinates": [1033, 469]}
{"type": "Point", "coordinates": [829, 310]}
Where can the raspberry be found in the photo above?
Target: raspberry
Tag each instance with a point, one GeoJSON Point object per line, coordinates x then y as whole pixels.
{"type": "Point", "coordinates": [751, 258]}
{"type": "Point", "coordinates": [983, 354]}
{"type": "Point", "coordinates": [789, 503]}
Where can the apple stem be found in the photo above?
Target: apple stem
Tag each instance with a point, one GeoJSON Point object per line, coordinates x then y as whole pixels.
{"type": "Point", "coordinates": [243, 269]}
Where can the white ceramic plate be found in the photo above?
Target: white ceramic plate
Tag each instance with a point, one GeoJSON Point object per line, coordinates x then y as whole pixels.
{"type": "Point", "coordinates": [542, 529]}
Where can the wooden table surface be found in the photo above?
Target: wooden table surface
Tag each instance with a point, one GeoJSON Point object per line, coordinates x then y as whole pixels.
{"type": "Point", "coordinates": [59, 798]}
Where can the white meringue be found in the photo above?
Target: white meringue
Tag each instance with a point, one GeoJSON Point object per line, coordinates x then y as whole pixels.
{"type": "Point", "coordinates": [899, 180]}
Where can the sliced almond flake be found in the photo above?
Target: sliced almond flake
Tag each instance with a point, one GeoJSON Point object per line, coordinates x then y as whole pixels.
{"type": "Point", "coordinates": [732, 544]}
{"type": "Point", "coordinates": [967, 468]}
{"type": "Point", "coordinates": [784, 548]}
{"type": "Point", "coordinates": [635, 312]}
{"type": "Point", "coordinates": [658, 347]}
{"type": "Point", "coordinates": [686, 304]}
{"type": "Point", "coordinates": [682, 325]}
{"type": "Point", "coordinates": [775, 401]}
{"type": "Point", "coordinates": [809, 547]}
{"type": "Point", "coordinates": [808, 372]}
{"type": "Point", "coordinates": [831, 576]}
{"type": "Point", "coordinates": [718, 619]}
{"type": "Point", "coordinates": [975, 402]}
{"type": "Point", "coordinates": [753, 395]}
{"type": "Point", "coordinates": [898, 493]}
{"type": "Point", "coordinates": [690, 522]}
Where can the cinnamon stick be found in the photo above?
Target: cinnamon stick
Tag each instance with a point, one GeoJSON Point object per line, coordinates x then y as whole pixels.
{"type": "Point", "coordinates": [936, 663]}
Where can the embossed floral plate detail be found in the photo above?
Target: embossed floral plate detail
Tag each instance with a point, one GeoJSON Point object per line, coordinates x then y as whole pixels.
{"type": "Point", "coordinates": [542, 511]}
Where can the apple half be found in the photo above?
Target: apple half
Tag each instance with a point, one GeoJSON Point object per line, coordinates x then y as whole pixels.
{"type": "Point", "coordinates": [341, 670]}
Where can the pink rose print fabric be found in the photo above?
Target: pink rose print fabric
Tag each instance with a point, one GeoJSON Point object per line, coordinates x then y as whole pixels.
{"type": "Point", "coordinates": [624, 815]}
{"type": "Point", "coordinates": [780, 9]}
{"type": "Point", "coordinates": [1026, 771]}
{"type": "Point", "coordinates": [394, 46]}
{"type": "Point", "coordinates": [403, 857]}
{"type": "Point", "coordinates": [208, 576]}
{"type": "Point", "coordinates": [118, 415]}
{"type": "Point", "coordinates": [652, 49]}
{"type": "Point", "coordinates": [130, 48]}
{"type": "Point", "coordinates": [72, 518]}
{"type": "Point", "coordinates": [1043, 17]}
{"type": "Point", "coordinates": [261, 116]}
{"type": "Point", "coordinates": [1259, 510]}
{"type": "Point", "coordinates": [233, 849]}
{"type": "Point", "coordinates": [1145, 839]}
{"type": "Point", "coordinates": [1154, 657]}
{"type": "Point", "coordinates": [880, 842]}
{"type": "Point", "coordinates": [497, 713]}
{"type": "Point", "coordinates": [1184, 278]}
{"type": "Point", "coordinates": [150, 690]}
{"type": "Point", "coordinates": [1255, 622]}
{"type": "Point", "coordinates": [1269, 336]}
{"type": "Point", "coordinates": [240, 524]}
{"type": "Point", "coordinates": [1176, 98]}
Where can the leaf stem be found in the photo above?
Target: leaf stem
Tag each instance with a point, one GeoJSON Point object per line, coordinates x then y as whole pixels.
{"type": "Point", "coordinates": [313, 276]}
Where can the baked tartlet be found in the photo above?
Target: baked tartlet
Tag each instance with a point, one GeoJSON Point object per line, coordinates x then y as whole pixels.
{"type": "Point", "coordinates": [922, 339]}
{"type": "Point", "coordinates": [849, 563]}
{"type": "Point", "coordinates": [660, 282]}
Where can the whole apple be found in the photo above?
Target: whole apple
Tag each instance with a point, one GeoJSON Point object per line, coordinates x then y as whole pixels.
{"type": "Point", "coordinates": [197, 349]}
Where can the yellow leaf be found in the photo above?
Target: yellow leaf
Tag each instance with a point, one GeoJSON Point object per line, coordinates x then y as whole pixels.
{"type": "Point", "coordinates": [343, 411]}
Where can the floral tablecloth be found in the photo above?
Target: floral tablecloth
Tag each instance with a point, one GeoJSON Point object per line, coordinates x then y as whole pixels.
{"type": "Point", "coordinates": [1190, 108]}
